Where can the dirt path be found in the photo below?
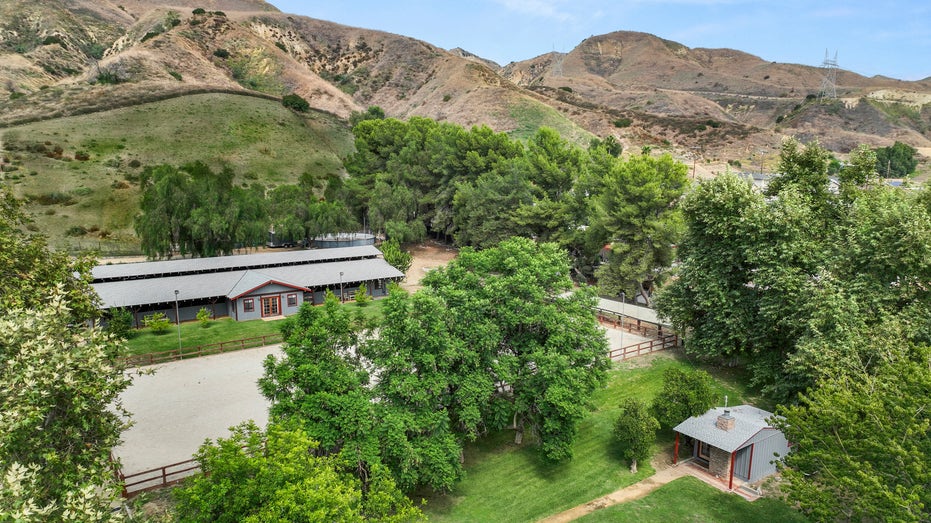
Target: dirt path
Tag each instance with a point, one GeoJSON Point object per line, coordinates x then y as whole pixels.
{"type": "Point", "coordinates": [629, 493]}
{"type": "Point", "coordinates": [427, 256]}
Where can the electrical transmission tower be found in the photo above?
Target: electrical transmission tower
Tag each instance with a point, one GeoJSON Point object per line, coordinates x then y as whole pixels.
{"type": "Point", "coordinates": [829, 80]}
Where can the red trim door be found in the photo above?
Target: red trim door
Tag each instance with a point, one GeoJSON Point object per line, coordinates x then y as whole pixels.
{"type": "Point", "coordinates": [271, 306]}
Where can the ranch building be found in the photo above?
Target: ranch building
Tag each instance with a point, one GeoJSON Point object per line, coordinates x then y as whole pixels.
{"type": "Point", "coordinates": [243, 287]}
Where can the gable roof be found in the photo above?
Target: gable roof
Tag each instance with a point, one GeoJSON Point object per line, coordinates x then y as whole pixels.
{"type": "Point", "coordinates": [155, 269]}
{"type": "Point", "coordinates": [252, 280]}
{"type": "Point", "coordinates": [219, 285]}
{"type": "Point", "coordinates": [748, 421]}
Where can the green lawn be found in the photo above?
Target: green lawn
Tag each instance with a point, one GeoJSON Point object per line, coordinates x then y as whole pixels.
{"type": "Point", "coordinates": [222, 330]}
{"type": "Point", "coordinates": [688, 499]}
{"type": "Point", "coordinates": [508, 483]}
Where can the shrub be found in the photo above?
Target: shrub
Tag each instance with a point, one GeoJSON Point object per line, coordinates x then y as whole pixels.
{"type": "Point", "coordinates": [158, 322]}
{"type": "Point", "coordinates": [176, 75]}
{"type": "Point", "coordinates": [135, 164]}
{"type": "Point", "coordinates": [684, 394]}
{"type": "Point", "coordinates": [362, 296]}
{"type": "Point", "coordinates": [107, 76]}
{"type": "Point", "coordinates": [199, 11]}
{"type": "Point", "coordinates": [281, 46]}
{"type": "Point", "coordinates": [623, 122]}
{"type": "Point", "coordinates": [121, 322]}
{"type": "Point", "coordinates": [447, 97]}
{"type": "Point", "coordinates": [566, 88]}
{"type": "Point", "coordinates": [221, 53]}
{"type": "Point", "coordinates": [52, 39]}
{"type": "Point", "coordinates": [203, 317]}
{"type": "Point", "coordinates": [76, 230]}
{"type": "Point", "coordinates": [82, 156]}
{"type": "Point", "coordinates": [293, 101]}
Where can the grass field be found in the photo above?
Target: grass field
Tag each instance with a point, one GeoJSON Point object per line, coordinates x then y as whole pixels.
{"type": "Point", "coordinates": [505, 482]}
{"type": "Point", "coordinates": [143, 341]}
{"type": "Point", "coordinates": [259, 139]}
{"type": "Point", "coordinates": [688, 499]}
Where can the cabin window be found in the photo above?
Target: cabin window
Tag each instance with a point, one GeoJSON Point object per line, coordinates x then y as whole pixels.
{"type": "Point", "coordinates": [248, 305]}
{"type": "Point", "coordinates": [292, 300]}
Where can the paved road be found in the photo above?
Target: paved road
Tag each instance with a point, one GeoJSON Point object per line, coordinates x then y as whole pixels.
{"type": "Point", "coordinates": [185, 402]}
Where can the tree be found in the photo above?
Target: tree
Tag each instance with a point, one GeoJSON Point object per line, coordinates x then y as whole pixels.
{"type": "Point", "coordinates": [396, 256]}
{"type": "Point", "coordinates": [362, 296]}
{"type": "Point", "coordinates": [685, 394]}
{"type": "Point", "coordinates": [120, 323]}
{"type": "Point", "coordinates": [897, 160]}
{"type": "Point", "coordinates": [862, 443]}
{"type": "Point", "coordinates": [30, 271]}
{"type": "Point", "coordinates": [321, 385]}
{"type": "Point", "coordinates": [513, 307]}
{"type": "Point", "coordinates": [278, 475]}
{"type": "Point", "coordinates": [635, 429]}
{"type": "Point", "coordinates": [296, 102]}
{"type": "Point", "coordinates": [638, 216]}
{"type": "Point", "coordinates": [60, 412]}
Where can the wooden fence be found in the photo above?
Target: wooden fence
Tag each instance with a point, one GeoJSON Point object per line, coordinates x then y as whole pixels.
{"type": "Point", "coordinates": [640, 349]}
{"type": "Point", "coordinates": [152, 358]}
{"type": "Point", "coordinates": [632, 325]}
{"type": "Point", "coordinates": [139, 482]}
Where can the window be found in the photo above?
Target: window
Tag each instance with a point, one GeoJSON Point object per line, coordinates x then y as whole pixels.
{"type": "Point", "coordinates": [377, 284]}
{"type": "Point", "coordinates": [292, 300]}
{"type": "Point", "coordinates": [248, 305]}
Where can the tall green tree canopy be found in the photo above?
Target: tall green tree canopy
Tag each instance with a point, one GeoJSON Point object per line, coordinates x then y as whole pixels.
{"type": "Point", "coordinates": [59, 383]}
{"type": "Point", "coordinates": [512, 306]}
{"type": "Point", "coordinates": [257, 476]}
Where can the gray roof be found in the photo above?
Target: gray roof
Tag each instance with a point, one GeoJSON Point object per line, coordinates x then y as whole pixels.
{"type": "Point", "coordinates": [130, 293]}
{"type": "Point", "coordinates": [627, 309]}
{"type": "Point", "coordinates": [252, 280]}
{"type": "Point", "coordinates": [748, 421]}
{"type": "Point", "coordinates": [238, 262]}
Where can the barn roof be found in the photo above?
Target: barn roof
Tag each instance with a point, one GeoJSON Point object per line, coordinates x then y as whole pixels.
{"type": "Point", "coordinates": [748, 421]}
{"type": "Point", "coordinates": [136, 292]}
{"type": "Point", "coordinates": [230, 263]}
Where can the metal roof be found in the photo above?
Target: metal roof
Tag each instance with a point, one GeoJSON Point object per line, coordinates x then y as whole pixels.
{"type": "Point", "coordinates": [252, 280]}
{"type": "Point", "coordinates": [748, 421]}
{"type": "Point", "coordinates": [630, 310]}
{"type": "Point", "coordinates": [131, 293]}
{"type": "Point", "coordinates": [227, 263]}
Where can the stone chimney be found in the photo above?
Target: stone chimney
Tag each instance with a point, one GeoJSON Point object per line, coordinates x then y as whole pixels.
{"type": "Point", "coordinates": [725, 421]}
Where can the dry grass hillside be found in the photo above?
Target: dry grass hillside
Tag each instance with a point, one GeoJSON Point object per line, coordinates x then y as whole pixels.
{"type": "Point", "coordinates": [62, 58]}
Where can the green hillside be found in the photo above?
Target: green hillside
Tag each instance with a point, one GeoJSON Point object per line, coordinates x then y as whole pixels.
{"type": "Point", "coordinates": [81, 172]}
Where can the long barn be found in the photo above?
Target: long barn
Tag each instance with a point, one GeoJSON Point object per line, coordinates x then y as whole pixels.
{"type": "Point", "coordinates": [243, 287]}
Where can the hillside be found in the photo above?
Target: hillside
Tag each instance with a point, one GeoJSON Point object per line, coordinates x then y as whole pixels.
{"type": "Point", "coordinates": [78, 67]}
{"type": "Point", "coordinates": [82, 172]}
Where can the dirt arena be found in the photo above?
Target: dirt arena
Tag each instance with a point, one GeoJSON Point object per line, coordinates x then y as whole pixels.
{"type": "Point", "coordinates": [427, 256]}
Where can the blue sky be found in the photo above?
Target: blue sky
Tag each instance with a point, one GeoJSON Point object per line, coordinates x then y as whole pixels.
{"type": "Point", "coordinates": [891, 38]}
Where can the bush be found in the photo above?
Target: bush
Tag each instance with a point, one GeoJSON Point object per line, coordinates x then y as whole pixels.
{"type": "Point", "coordinates": [121, 322]}
{"type": "Point", "coordinates": [176, 75]}
{"type": "Point", "coordinates": [76, 230]}
{"type": "Point", "coordinates": [293, 101]}
{"type": "Point", "coordinates": [199, 11]}
{"type": "Point", "coordinates": [221, 53]}
{"type": "Point", "coordinates": [158, 322]}
{"type": "Point", "coordinates": [82, 156]}
{"type": "Point", "coordinates": [685, 394]}
{"type": "Point", "coordinates": [203, 317]}
{"type": "Point", "coordinates": [566, 88]}
{"type": "Point", "coordinates": [362, 296]}
{"type": "Point", "coordinates": [281, 46]}
{"type": "Point", "coordinates": [623, 122]}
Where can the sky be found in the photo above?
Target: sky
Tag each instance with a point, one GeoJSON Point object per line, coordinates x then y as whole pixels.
{"type": "Point", "coordinates": [877, 37]}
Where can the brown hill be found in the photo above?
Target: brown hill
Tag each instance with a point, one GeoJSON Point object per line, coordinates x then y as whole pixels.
{"type": "Point", "coordinates": [62, 57]}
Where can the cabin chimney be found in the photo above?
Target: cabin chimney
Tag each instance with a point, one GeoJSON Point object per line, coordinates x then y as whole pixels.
{"type": "Point", "coordinates": [725, 421]}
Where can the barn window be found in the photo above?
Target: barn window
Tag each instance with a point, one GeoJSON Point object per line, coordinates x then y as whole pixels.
{"type": "Point", "coordinates": [292, 300]}
{"type": "Point", "coordinates": [248, 305]}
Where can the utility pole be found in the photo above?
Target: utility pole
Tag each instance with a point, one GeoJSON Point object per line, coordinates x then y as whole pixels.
{"type": "Point", "coordinates": [178, 319]}
{"type": "Point", "coordinates": [341, 286]}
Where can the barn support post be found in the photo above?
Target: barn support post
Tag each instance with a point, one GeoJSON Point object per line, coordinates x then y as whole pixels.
{"type": "Point", "coordinates": [750, 466]}
{"type": "Point", "coordinates": [730, 484]}
{"type": "Point", "coordinates": [675, 452]}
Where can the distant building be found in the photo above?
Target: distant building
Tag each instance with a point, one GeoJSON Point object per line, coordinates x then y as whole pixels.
{"type": "Point", "coordinates": [734, 442]}
{"type": "Point", "coordinates": [242, 287]}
